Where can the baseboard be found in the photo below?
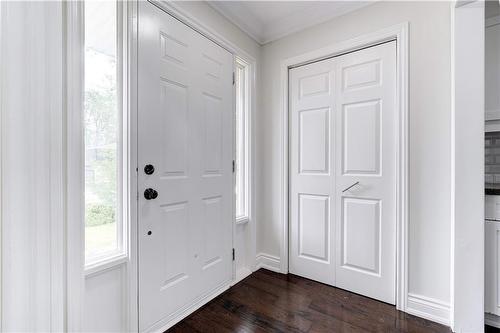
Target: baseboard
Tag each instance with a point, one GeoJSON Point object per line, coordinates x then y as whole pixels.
{"type": "Point", "coordinates": [428, 308]}
{"type": "Point", "coordinates": [166, 323]}
{"type": "Point", "coordinates": [268, 261]}
{"type": "Point", "coordinates": [492, 320]}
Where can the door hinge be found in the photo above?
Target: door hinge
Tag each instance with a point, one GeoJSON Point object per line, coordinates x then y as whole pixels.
{"type": "Point", "coordinates": [234, 166]}
{"type": "Point", "coordinates": [234, 78]}
{"type": "Point", "coordinates": [233, 254]}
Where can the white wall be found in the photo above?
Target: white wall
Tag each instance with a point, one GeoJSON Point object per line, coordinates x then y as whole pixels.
{"type": "Point", "coordinates": [105, 301]}
{"type": "Point", "coordinates": [429, 153]}
{"type": "Point", "coordinates": [468, 274]}
{"type": "Point", "coordinates": [32, 202]}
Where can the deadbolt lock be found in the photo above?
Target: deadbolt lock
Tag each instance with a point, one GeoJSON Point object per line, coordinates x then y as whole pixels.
{"type": "Point", "coordinates": [149, 169]}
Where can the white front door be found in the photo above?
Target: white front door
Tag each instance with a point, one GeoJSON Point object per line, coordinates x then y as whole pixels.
{"type": "Point", "coordinates": [343, 171]}
{"type": "Point", "coordinates": [185, 133]}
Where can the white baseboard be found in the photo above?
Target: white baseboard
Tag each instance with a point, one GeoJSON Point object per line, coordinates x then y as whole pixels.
{"type": "Point", "coordinates": [170, 321]}
{"type": "Point", "coordinates": [428, 308]}
{"type": "Point", "coordinates": [492, 320]}
{"type": "Point", "coordinates": [268, 261]}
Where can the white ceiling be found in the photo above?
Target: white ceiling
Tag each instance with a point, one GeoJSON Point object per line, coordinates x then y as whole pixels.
{"type": "Point", "coordinates": [266, 21]}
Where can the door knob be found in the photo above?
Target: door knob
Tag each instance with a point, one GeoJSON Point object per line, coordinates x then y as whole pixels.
{"type": "Point", "coordinates": [149, 169]}
{"type": "Point", "coordinates": [149, 194]}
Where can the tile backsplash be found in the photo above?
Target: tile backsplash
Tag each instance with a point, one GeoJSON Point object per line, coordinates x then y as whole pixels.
{"type": "Point", "coordinates": [492, 158]}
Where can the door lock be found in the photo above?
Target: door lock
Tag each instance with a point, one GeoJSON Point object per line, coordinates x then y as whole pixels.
{"type": "Point", "coordinates": [149, 194]}
{"type": "Point", "coordinates": [149, 169]}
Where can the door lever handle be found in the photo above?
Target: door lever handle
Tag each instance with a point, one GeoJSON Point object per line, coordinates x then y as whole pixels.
{"type": "Point", "coordinates": [348, 188]}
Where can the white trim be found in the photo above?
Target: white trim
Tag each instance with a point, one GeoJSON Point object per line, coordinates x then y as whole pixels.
{"type": "Point", "coordinates": [2, 140]}
{"type": "Point", "coordinates": [452, 169]}
{"type": "Point", "coordinates": [74, 174]}
{"type": "Point", "coordinates": [254, 31]}
{"type": "Point", "coordinates": [266, 32]}
{"type": "Point", "coordinates": [428, 308]}
{"type": "Point", "coordinates": [267, 261]}
{"type": "Point", "coordinates": [182, 313]}
{"type": "Point", "coordinates": [492, 320]}
{"type": "Point", "coordinates": [398, 32]}
{"type": "Point", "coordinates": [105, 265]}
{"type": "Point", "coordinates": [130, 27]}
{"type": "Point", "coordinates": [55, 49]}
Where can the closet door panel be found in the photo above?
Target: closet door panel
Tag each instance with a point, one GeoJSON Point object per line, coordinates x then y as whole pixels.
{"type": "Point", "coordinates": [366, 177]}
{"type": "Point", "coordinates": [312, 181]}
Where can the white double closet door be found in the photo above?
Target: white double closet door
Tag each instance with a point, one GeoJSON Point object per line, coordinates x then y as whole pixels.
{"type": "Point", "coordinates": [185, 132]}
{"type": "Point", "coordinates": [343, 132]}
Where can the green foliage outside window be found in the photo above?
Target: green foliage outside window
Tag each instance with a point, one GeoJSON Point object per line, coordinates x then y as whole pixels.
{"type": "Point", "coordinates": [100, 156]}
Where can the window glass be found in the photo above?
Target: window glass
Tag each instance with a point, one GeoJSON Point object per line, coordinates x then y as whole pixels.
{"type": "Point", "coordinates": [241, 141]}
{"type": "Point", "coordinates": [102, 131]}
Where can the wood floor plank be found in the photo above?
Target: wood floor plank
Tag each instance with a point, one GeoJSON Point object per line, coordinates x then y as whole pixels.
{"type": "Point", "coordinates": [271, 302]}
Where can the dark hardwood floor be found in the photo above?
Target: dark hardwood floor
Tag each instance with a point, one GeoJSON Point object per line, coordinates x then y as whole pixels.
{"type": "Point", "coordinates": [272, 302]}
{"type": "Point", "coordinates": [491, 329]}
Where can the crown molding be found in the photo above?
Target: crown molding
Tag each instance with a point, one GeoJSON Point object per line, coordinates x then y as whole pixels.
{"type": "Point", "coordinates": [241, 19]}
{"type": "Point", "coordinates": [266, 32]}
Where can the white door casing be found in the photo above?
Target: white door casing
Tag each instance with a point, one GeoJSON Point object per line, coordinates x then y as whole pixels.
{"type": "Point", "coordinates": [185, 130]}
{"type": "Point", "coordinates": [344, 132]}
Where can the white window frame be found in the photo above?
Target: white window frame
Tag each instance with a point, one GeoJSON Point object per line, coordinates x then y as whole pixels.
{"type": "Point", "coordinates": [244, 166]}
{"type": "Point", "coordinates": [120, 254]}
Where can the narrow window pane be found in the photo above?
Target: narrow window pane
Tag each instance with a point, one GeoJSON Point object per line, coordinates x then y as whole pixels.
{"type": "Point", "coordinates": [101, 123]}
{"type": "Point", "coordinates": [241, 146]}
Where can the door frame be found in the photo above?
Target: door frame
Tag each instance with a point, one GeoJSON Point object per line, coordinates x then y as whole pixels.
{"type": "Point", "coordinates": [176, 11]}
{"type": "Point", "coordinates": [399, 33]}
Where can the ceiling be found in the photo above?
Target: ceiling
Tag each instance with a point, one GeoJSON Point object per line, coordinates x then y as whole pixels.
{"type": "Point", "coordinates": [266, 21]}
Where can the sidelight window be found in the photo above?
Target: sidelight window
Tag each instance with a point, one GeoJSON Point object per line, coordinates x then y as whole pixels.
{"type": "Point", "coordinates": [103, 132]}
{"type": "Point", "coordinates": [242, 141]}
